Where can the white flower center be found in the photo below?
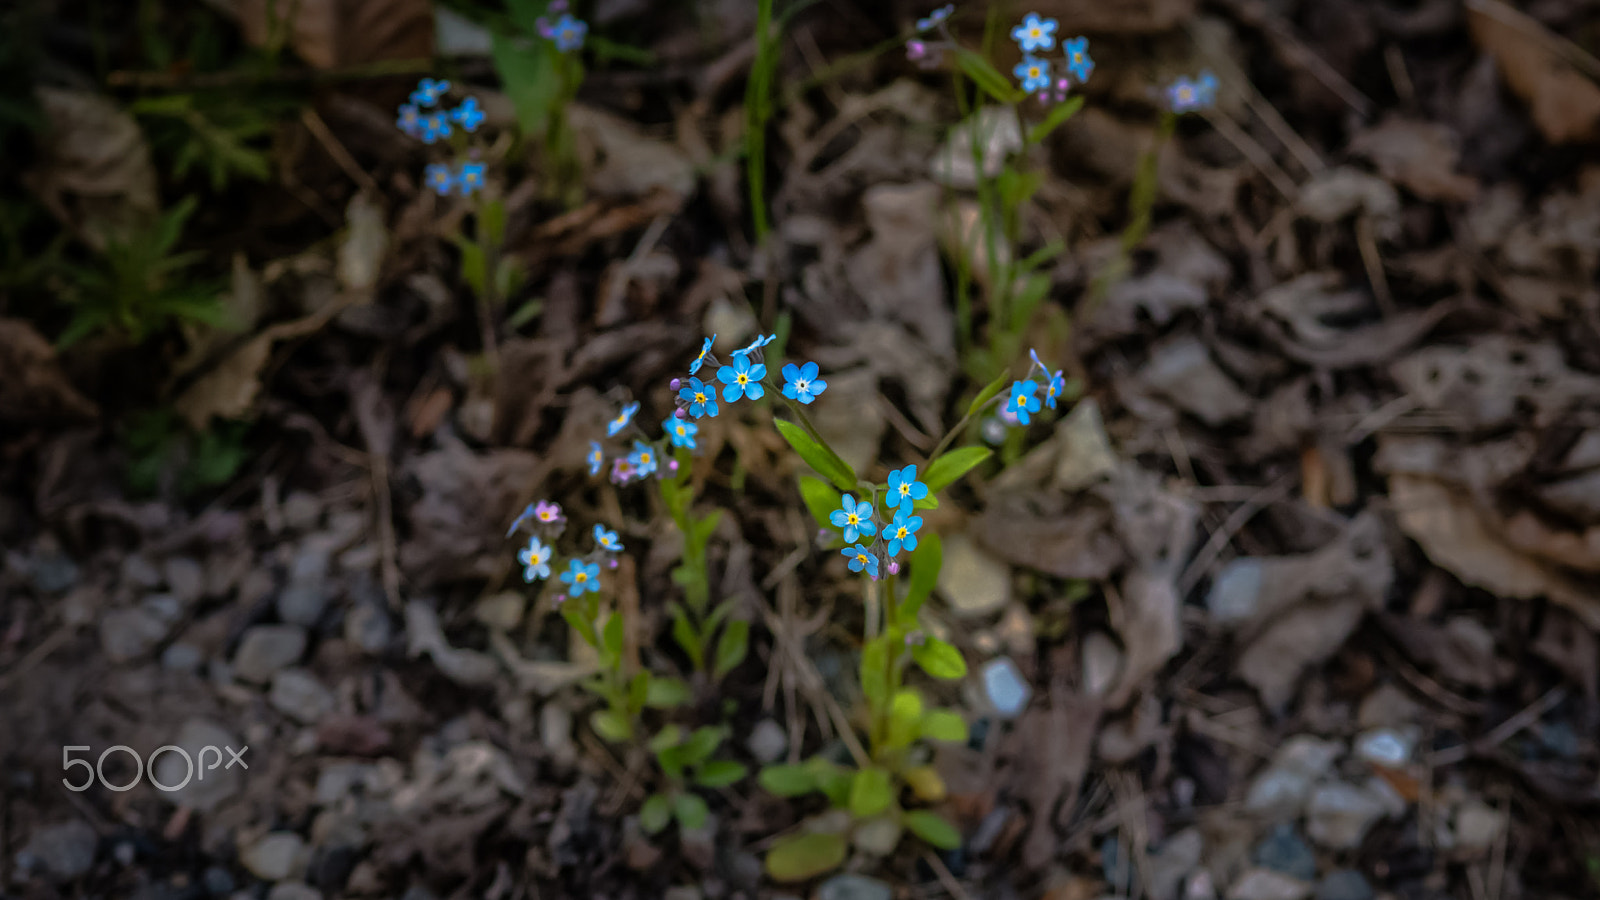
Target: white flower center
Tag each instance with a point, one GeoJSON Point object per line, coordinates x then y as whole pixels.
{"type": "Point", "coordinates": [802, 385]}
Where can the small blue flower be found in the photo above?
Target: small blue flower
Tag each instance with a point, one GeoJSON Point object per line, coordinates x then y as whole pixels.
{"type": "Point", "coordinates": [902, 531]}
{"type": "Point", "coordinates": [429, 91]}
{"type": "Point", "coordinates": [741, 379]}
{"type": "Point", "coordinates": [616, 425]}
{"type": "Point", "coordinates": [1034, 73]}
{"type": "Point", "coordinates": [435, 125]}
{"type": "Point", "coordinates": [470, 178]}
{"type": "Point", "coordinates": [904, 488]}
{"type": "Point", "coordinates": [568, 33]}
{"type": "Point", "coordinates": [1056, 387]}
{"type": "Point", "coordinates": [1023, 402]}
{"type": "Point", "coordinates": [643, 458]}
{"type": "Point", "coordinates": [597, 458]}
{"type": "Point", "coordinates": [535, 559]}
{"type": "Point", "coordinates": [1188, 95]}
{"type": "Point", "coordinates": [801, 382]}
{"type": "Point", "coordinates": [468, 115]}
{"type": "Point", "coordinates": [705, 351]}
{"type": "Point", "coordinates": [680, 432]}
{"type": "Point", "coordinates": [702, 398]}
{"type": "Point", "coordinates": [936, 17]}
{"type": "Point", "coordinates": [607, 540]}
{"type": "Point", "coordinates": [755, 345]}
{"type": "Point", "coordinates": [1078, 61]}
{"type": "Point", "coordinates": [439, 177]}
{"type": "Point", "coordinates": [1035, 33]}
{"type": "Point", "coordinates": [861, 558]}
{"type": "Point", "coordinates": [525, 515]}
{"type": "Point", "coordinates": [855, 518]}
{"type": "Point", "coordinates": [582, 577]}
{"type": "Point", "coordinates": [409, 119]}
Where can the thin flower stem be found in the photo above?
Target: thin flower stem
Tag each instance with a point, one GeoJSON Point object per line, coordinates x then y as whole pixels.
{"type": "Point", "coordinates": [956, 430]}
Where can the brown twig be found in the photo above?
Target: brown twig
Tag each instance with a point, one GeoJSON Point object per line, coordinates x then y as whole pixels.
{"type": "Point", "coordinates": [336, 149]}
{"type": "Point", "coordinates": [1236, 520]}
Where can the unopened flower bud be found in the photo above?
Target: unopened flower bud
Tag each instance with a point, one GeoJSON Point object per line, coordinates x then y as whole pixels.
{"type": "Point", "coordinates": [675, 383]}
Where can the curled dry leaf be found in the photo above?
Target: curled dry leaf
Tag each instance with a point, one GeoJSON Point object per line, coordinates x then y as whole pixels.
{"type": "Point", "coordinates": [1564, 102]}
{"type": "Point", "coordinates": [95, 172]}
{"type": "Point", "coordinates": [1421, 156]}
{"type": "Point", "coordinates": [32, 384]}
{"type": "Point", "coordinates": [330, 33]}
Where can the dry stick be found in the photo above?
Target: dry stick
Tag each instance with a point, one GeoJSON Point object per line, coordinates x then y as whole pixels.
{"type": "Point", "coordinates": [1257, 14]}
{"type": "Point", "coordinates": [1254, 152]}
{"type": "Point", "coordinates": [951, 885]}
{"type": "Point", "coordinates": [1236, 520]}
{"type": "Point", "coordinates": [1530, 28]}
{"type": "Point", "coordinates": [37, 655]}
{"type": "Point", "coordinates": [1236, 76]}
{"type": "Point", "coordinates": [1368, 244]}
{"type": "Point", "coordinates": [1503, 732]}
{"type": "Point", "coordinates": [319, 130]}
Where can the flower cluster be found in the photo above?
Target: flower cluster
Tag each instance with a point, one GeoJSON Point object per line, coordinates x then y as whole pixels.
{"type": "Point", "coordinates": [1036, 35]}
{"type": "Point", "coordinates": [854, 519]}
{"type": "Point", "coordinates": [647, 457]}
{"type": "Point", "coordinates": [1191, 94]}
{"type": "Point", "coordinates": [567, 32]}
{"type": "Point", "coordinates": [582, 574]}
{"type": "Point", "coordinates": [930, 53]}
{"type": "Point", "coordinates": [425, 118]}
{"type": "Point", "coordinates": [1025, 400]}
{"type": "Point", "coordinates": [743, 377]}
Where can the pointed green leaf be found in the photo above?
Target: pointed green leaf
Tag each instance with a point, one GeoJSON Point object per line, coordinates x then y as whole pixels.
{"type": "Point", "coordinates": [611, 725]}
{"type": "Point", "coordinates": [667, 693]}
{"type": "Point", "coordinates": [788, 780]}
{"type": "Point", "coordinates": [943, 725]}
{"type": "Point", "coordinates": [612, 636]}
{"type": "Point", "coordinates": [932, 828]}
{"type": "Point", "coordinates": [905, 718]}
{"type": "Point", "coordinates": [986, 76]}
{"type": "Point", "coordinates": [925, 563]}
{"type": "Point", "coordinates": [702, 743]}
{"type": "Point", "coordinates": [824, 461]}
{"type": "Point", "coordinates": [731, 647]}
{"type": "Point", "coordinates": [690, 810]}
{"type": "Point", "coordinates": [802, 856]}
{"type": "Point", "coordinates": [720, 773]}
{"type": "Point", "coordinates": [820, 498]}
{"type": "Point", "coordinates": [655, 813]}
{"type": "Point", "coordinates": [989, 392]}
{"type": "Point", "coordinates": [1057, 117]}
{"type": "Point", "coordinates": [875, 670]}
{"type": "Point", "coordinates": [669, 736]}
{"type": "Point", "coordinates": [683, 632]}
{"type": "Point", "coordinates": [944, 471]}
{"type": "Point", "coordinates": [871, 792]}
{"type": "Point", "coordinates": [939, 659]}
{"type": "Point", "coordinates": [577, 622]}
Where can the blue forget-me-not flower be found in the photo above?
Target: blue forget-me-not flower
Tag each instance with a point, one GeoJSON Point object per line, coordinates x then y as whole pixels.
{"type": "Point", "coordinates": [902, 531]}
{"type": "Point", "coordinates": [1188, 95]}
{"type": "Point", "coordinates": [568, 33]}
{"type": "Point", "coordinates": [606, 540]}
{"type": "Point", "coordinates": [679, 432]}
{"type": "Point", "coordinates": [755, 345]}
{"type": "Point", "coordinates": [705, 351]}
{"type": "Point", "coordinates": [742, 379]}
{"type": "Point", "coordinates": [468, 115]}
{"type": "Point", "coordinates": [1034, 73]}
{"type": "Point", "coordinates": [801, 382]}
{"type": "Point", "coordinates": [535, 559]}
{"type": "Point", "coordinates": [1035, 33]}
{"type": "Point", "coordinates": [643, 458]}
{"type": "Point", "coordinates": [1023, 402]}
{"type": "Point", "coordinates": [861, 558]}
{"type": "Point", "coordinates": [855, 518]}
{"type": "Point", "coordinates": [597, 458]}
{"type": "Point", "coordinates": [470, 178]}
{"type": "Point", "coordinates": [439, 178]}
{"type": "Point", "coordinates": [615, 426]}
{"type": "Point", "coordinates": [1078, 61]}
{"type": "Point", "coordinates": [904, 488]}
{"type": "Point", "coordinates": [936, 18]}
{"type": "Point", "coordinates": [429, 92]}
{"type": "Point", "coordinates": [702, 398]}
{"type": "Point", "coordinates": [582, 577]}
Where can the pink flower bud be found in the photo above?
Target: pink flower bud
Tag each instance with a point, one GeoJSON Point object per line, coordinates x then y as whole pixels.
{"type": "Point", "coordinates": [675, 383]}
{"type": "Point", "coordinates": [681, 413]}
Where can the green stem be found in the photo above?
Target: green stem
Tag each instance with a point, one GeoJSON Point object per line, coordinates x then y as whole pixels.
{"type": "Point", "coordinates": [959, 426]}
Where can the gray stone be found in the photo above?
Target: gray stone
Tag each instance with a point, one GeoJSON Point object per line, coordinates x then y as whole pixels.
{"type": "Point", "coordinates": [1004, 687]}
{"type": "Point", "coordinates": [1102, 663]}
{"type": "Point", "coordinates": [298, 694]}
{"type": "Point", "coordinates": [971, 581]}
{"type": "Point", "coordinates": [139, 571]}
{"type": "Point", "coordinates": [265, 649]}
{"type": "Point", "coordinates": [208, 785]}
{"type": "Point", "coordinates": [1086, 455]}
{"type": "Point", "coordinates": [1344, 884]}
{"type": "Point", "coordinates": [181, 657]}
{"type": "Point", "coordinates": [1339, 815]}
{"type": "Point", "coordinates": [502, 611]}
{"type": "Point", "coordinates": [767, 741]}
{"type": "Point", "coordinates": [66, 850]}
{"type": "Point", "coordinates": [1235, 592]}
{"type": "Point", "coordinates": [276, 856]}
{"type": "Point", "coordinates": [186, 579]}
{"type": "Point", "coordinates": [1284, 851]}
{"type": "Point", "coordinates": [1182, 371]}
{"type": "Point", "coordinates": [129, 633]}
{"type": "Point", "coordinates": [1387, 747]}
{"type": "Point", "coordinates": [367, 626]}
{"type": "Point", "coordinates": [877, 836]}
{"type": "Point", "coordinates": [165, 607]}
{"type": "Point", "coordinates": [854, 887]}
{"type": "Point", "coordinates": [1178, 856]}
{"type": "Point", "coordinates": [302, 603]}
{"type": "Point", "coordinates": [302, 511]}
{"type": "Point", "coordinates": [53, 572]}
{"type": "Point", "coordinates": [294, 890]}
{"type": "Point", "coordinates": [1280, 792]}
{"type": "Point", "coordinates": [217, 881]}
{"type": "Point", "coordinates": [555, 732]}
{"type": "Point", "coordinates": [1265, 884]}
{"type": "Point", "coordinates": [1478, 825]}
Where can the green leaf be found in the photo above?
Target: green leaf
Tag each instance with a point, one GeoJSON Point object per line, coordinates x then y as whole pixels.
{"type": "Point", "coordinates": [611, 725]}
{"type": "Point", "coordinates": [667, 693]}
{"type": "Point", "coordinates": [802, 856]}
{"type": "Point", "coordinates": [1042, 255]}
{"type": "Point", "coordinates": [683, 632]}
{"type": "Point", "coordinates": [875, 670]}
{"type": "Point", "coordinates": [986, 76]}
{"type": "Point", "coordinates": [612, 636]}
{"type": "Point", "coordinates": [579, 623]}
{"type": "Point", "coordinates": [823, 460]}
{"type": "Point", "coordinates": [932, 828]}
{"type": "Point", "coordinates": [832, 780]}
{"type": "Point", "coordinates": [871, 792]}
{"type": "Point", "coordinates": [731, 647]}
{"type": "Point", "coordinates": [527, 69]}
{"type": "Point", "coordinates": [988, 393]}
{"type": "Point", "coordinates": [1058, 116]}
{"type": "Point", "coordinates": [702, 743]}
{"type": "Point", "coordinates": [943, 725]}
{"type": "Point", "coordinates": [945, 470]}
{"type": "Point", "coordinates": [925, 563]}
{"type": "Point", "coordinates": [669, 736]}
{"type": "Point", "coordinates": [655, 813]}
{"type": "Point", "coordinates": [788, 780]}
{"type": "Point", "coordinates": [939, 659]}
{"type": "Point", "coordinates": [720, 773]}
{"type": "Point", "coordinates": [690, 810]}
{"type": "Point", "coordinates": [905, 717]}
{"type": "Point", "coordinates": [820, 498]}
{"type": "Point", "coordinates": [928, 502]}
{"type": "Point", "coordinates": [638, 691]}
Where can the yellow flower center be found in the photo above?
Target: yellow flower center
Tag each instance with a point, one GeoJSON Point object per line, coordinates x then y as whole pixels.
{"type": "Point", "coordinates": [1022, 400]}
{"type": "Point", "coordinates": [581, 577]}
{"type": "Point", "coordinates": [1034, 31]}
{"type": "Point", "coordinates": [743, 379]}
{"type": "Point", "coordinates": [905, 489]}
{"type": "Point", "coordinates": [644, 457]}
{"type": "Point", "coordinates": [900, 532]}
{"type": "Point", "coordinates": [861, 558]}
{"type": "Point", "coordinates": [853, 519]}
{"type": "Point", "coordinates": [680, 429]}
{"type": "Point", "coordinates": [1033, 71]}
{"type": "Point", "coordinates": [699, 398]}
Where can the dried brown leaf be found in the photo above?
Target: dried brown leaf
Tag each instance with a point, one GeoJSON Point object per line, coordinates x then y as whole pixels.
{"type": "Point", "coordinates": [95, 172]}
{"type": "Point", "coordinates": [331, 33]}
{"type": "Point", "coordinates": [32, 383]}
{"type": "Point", "coordinates": [1565, 104]}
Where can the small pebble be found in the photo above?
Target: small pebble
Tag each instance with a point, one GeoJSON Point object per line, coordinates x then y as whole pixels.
{"type": "Point", "coordinates": [265, 649]}
{"type": "Point", "coordinates": [181, 657]}
{"type": "Point", "coordinates": [1387, 747]}
{"type": "Point", "coordinates": [767, 741]}
{"type": "Point", "coordinates": [217, 881]}
{"type": "Point", "coordinates": [1284, 851]}
{"type": "Point", "coordinates": [277, 856]}
{"type": "Point", "coordinates": [1344, 884]}
{"type": "Point", "coordinates": [854, 887]}
{"type": "Point", "coordinates": [66, 850]}
{"type": "Point", "coordinates": [1004, 687]}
